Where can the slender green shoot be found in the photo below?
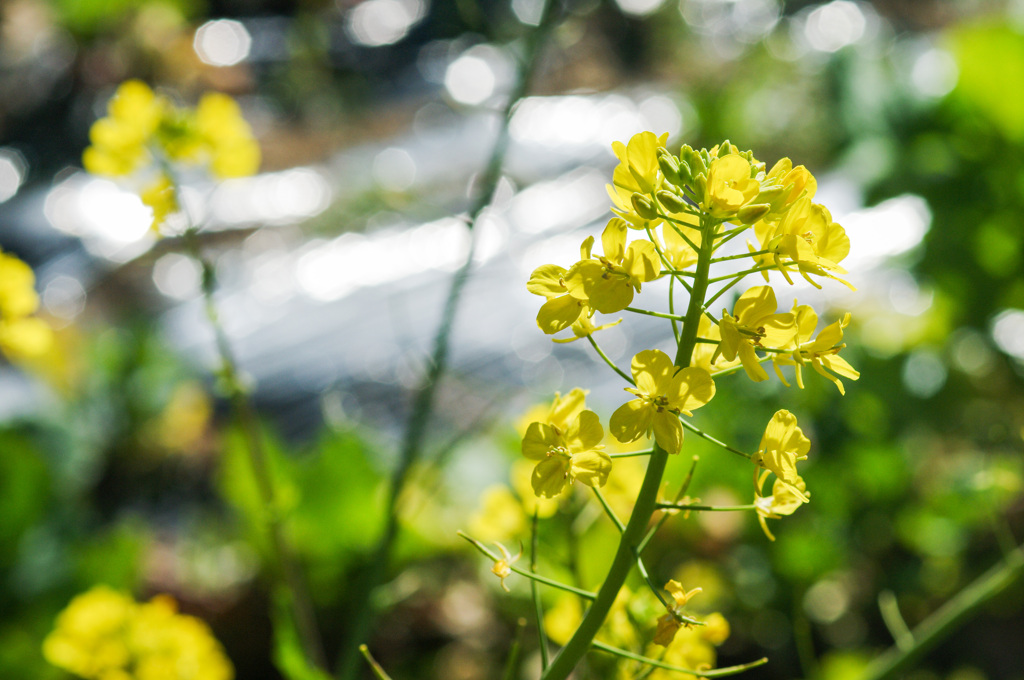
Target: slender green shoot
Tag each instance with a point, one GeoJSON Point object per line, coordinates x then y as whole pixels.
{"type": "Point", "coordinates": [716, 673]}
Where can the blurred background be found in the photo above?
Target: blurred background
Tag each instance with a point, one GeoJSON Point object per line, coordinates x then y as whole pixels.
{"type": "Point", "coordinates": [118, 460]}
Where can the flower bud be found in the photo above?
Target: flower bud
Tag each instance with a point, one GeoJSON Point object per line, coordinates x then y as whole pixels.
{"type": "Point", "coordinates": [672, 202]}
{"type": "Point", "coordinates": [749, 214]}
{"type": "Point", "coordinates": [644, 206]}
{"type": "Point", "coordinates": [693, 160]}
{"type": "Point", "coordinates": [773, 195]}
{"type": "Point", "coordinates": [669, 166]}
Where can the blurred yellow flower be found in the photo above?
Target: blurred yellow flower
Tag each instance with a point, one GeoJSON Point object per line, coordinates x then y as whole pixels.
{"type": "Point", "coordinates": [663, 393]}
{"type": "Point", "coordinates": [106, 635]}
{"type": "Point", "coordinates": [500, 516]}
{"type": "Point", "coordinates": [561, 309]}
{"type": "Point", "coordinates": [161, 198]}
{"type": "Point", "coordinates": [22, 336]}
{"type": "Point", "coordinates": [669, 623]}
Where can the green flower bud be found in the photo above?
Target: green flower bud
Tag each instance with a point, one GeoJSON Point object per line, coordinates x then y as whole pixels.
{"type": "Point", "coordinates": [749, 214]}
{"type": "Point", "coordinates": [669, 166]}
{"type": "Point", "coordinates": [771, 194]}
{"type": "Point", "coordinates": [693, 160]}
{"type": "Point", "coordinates": [672, 202]}
{"type": "Point", "coordinates": [644, 206]}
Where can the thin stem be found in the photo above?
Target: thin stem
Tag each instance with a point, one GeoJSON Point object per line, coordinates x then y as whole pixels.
{"type": "Point", "coordinates": [512, 664]}
{"type": "Point", "coordinates": [423, 404]}
{"type": "Point", "coordinates": [608, 510]}
{"type": "Point", "coordinates": [678, 272]}
{"type": "Point", "coordinates": [672, 307]}
{"type": "Point", "coordinates": [377, 669]}
{"type": "Point", "coordinates": [705, 435]}
{"type": "Point", "coordinates": [893, 619]}
{"type": "Point", "coordinates": [716, 673]}
{"type": "Point", "coordinates": [660, 315]}
{"type": "Point", "coordinates": [290, 573]}
{"type": "Point", "coordinates": [538, 609]}
{"type": "Point", "coordinates": [664, 516]}
{"type": "Point", "coordinates": [725, 288]}
{"type": "Point", "coordinates": [586, 594]}
{"type": "Point", "coordinates": [726, 258]}
{"type": "Point", "coordinates": [704, 508]}
{"type": "Point", "coordinates": [600, 352]}
{"type": "Point", "coordinates": [949, 617]}
{"type": "Point", "coordinates": [632, 454]}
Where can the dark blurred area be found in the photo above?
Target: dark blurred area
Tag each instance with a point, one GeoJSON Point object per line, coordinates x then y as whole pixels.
{"type": "Point", "coordinates": [119, 463]}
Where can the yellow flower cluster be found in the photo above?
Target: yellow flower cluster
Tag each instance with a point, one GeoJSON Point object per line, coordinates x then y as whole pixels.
{"type": "Point", "coordinates": [22, 335]}
{"type": "Point", "coordinates": [145, 133]}
{"type": "Point", "coordinates": [782, 446]}
{"type": "Point", "coordinates": [106, 635]}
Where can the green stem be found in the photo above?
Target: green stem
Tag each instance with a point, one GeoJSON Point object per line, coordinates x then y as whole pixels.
{"type": "Point", "coordinates": [538, 609]}
{"type": "Point", "coordinates": [705, 435]}
{"type": "Point", "coordinates": [742, 274]}
{"type": "Point", "coordinates": [608, 510]}
{"type": "Point", "coordinates": [949, 617]}
{"type": "Point", "coordinates": [672, 307]}
{"type": "Point", "coordinates": [664, 516]}
{"type": "Point", "coordinates": [704, 508]}
{"type": "Point", "coordinates": [377, 669]}
{"type": "Point", "coordinates": [423, 404]}
{"type": "Point", "coordinates": [600, 352]}
{"type": "Point", "coordinates": [512, 664]}
{"type": "Point", "coordinates": [625, 554]}
{"type": "Point", "coordinates": [632, 454]}
{"type": "Point", "coordinates": [300, 604]}
{"type": "Point", "coordinates": [660, 315]}
{"type": "Point", "coordinates": [726, 258]}
{"type": "Point", "coordinates": [716, 673]}
{"type": "Point", "coordinates": [586, 594]}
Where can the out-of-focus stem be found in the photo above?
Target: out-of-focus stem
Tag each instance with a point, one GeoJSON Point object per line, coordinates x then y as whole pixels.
{"type": "Point", "coordinates": [291, 575]}
{"type": "Point", "coordinates": [898, 659]}
{"type": "Point", "coordinates": [423, 402]}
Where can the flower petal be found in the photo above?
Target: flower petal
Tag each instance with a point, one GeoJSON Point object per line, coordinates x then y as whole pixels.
{"type": "Point", "coordinates": [652, 370]}
{"type": "Point", "coordinates": [550, 476]}
{"type": "Point", "coordinates": [559, 313]}
{"type": "Point", "coordinates": [539, 440]}
{"type": "Point", "coordinates": [591, 467]}
{"type": "Point", "coordinates": [631, 420]}
{"type": "Point", "coordinates": [585, 432]}
{"type": "Point", "coordinates": [668, 431]}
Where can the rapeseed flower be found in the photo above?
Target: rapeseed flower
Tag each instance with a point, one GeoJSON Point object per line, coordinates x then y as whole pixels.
{"type": "Point", "coordinates": [22, 336]}
{"type": "Point", "coordinates": [671, 622]}
{"type": "Point", "coordinates": [785, 499]}
{"type": "Point", "coordinates": [565, 455]}
{"type": "Point", "coordinates": [821, 352]}
{"type": "Point", "coordinates": [637, 172]}
{"type": "Point", "coordinates": [806, 240]}
{"type": "Point", "coordinates": [663, 393]}
{"type": "Point", "coordinates": [607, 283]}
{"type": "Point", "coordinates": [754, 323]}
{"type": "Point", "coordinates": [106, 635]}
{"type": "Point", "coordinates": [782, 445]}
{"type": "Point", "coordinates": [730, 186]}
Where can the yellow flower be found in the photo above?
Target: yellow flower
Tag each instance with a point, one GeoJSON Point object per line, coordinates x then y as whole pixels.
{"type": "Point", "coordinates": [500, 515]}
{"type": "Point", "coordinates": [794, 184]}
{"type": "Point", "coordinates": [785, 500]}
{"type": "Point", "coordinates": [669, 623]}
{"type": "Point", "coordinates": [637, 172]}
{"type": "Point", "coordinates": [752, 324]}
{"type": "Point", "coordinates": [119, 140]}
{"type": "Point", "coordinates": [561, 309]}
{"type": "Point", "coordinates": [106, 635]}
{"type": "Point", "coordinates": [583, 327]}
{"type": "Point", "coordinates": [822, 352]}
{"type": "Point", "coordinates": [730, 186]}
{"type": "Point", "coordinates": [663, 393]}
{"type": "Point", "coordinates": [502, 568]}
{"type": "Point", "coordinates": [782, 445]}
{"type": "Point", "coordinates": [233, 151]}
{"type": "Point", "coordinates": [807, 240]}
{"type": "Point", "coordinates": [142, 127]}
{"type": "Point", "coordinates": [21, 336]}
{"type": "Point", "coordinates": [162, 199]}
{"type": "Point", "coordinates": [565, 455]}
{"type": "Point", "coordinates": [607, 283]}
{"type": "Point", "coordinates": [706, 354]}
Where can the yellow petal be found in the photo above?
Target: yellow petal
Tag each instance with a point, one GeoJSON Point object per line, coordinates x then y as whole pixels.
{"type": "Point", "coordinates": [550, 476]}
{"type": "Point", "coordinates": [652, 370]}
{"type": "Point", "coordinates": [668, 431]}
{"type": "Point", "coordinates": [585, 432]}
{"type": "Point", "coordinates": [539, 440]}
{"type": "Point", "coordinates": [558, 313]}
{"type": "Point", "coordinates": [591, 467]}
{"type": "Point", "coordinates": [630, 421]}
{"type": "Point", "coordinates": [546, 280]}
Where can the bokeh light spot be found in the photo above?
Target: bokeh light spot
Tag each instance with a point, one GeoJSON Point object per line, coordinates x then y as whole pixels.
{"type": "Point", "coordinates": [222, 42]}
